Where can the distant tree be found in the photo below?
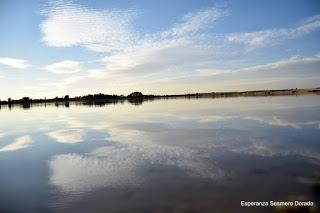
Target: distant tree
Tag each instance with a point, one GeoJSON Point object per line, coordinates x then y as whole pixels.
{"type": "Point", "coordinates": [9, 100]}
{"type": "Point", "coordinates": [66, 97]}
{"type": "Point", "coordinates": [25, 99]}
{"type": "Point", "coordinates": [135, 95]}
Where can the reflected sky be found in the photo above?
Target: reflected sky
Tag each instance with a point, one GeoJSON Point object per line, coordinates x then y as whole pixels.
{"type": "Point", "coordinates": [165, 155]}
{"type": "Point", "coordinates": [67, 136]}
{"type": "Point", "coordinates": [18, 143]}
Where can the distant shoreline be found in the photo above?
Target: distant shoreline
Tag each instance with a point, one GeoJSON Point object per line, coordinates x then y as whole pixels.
{"type": "Point", "coordinates": [138, 97]}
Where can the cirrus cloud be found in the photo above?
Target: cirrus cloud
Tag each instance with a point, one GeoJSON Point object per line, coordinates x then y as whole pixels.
{"type": "Point", "coordinates": [62, 67]}
{"type": "Point", "coordinates": [69, 25]}
{"type": "Point", "coordinates": [261, 38]}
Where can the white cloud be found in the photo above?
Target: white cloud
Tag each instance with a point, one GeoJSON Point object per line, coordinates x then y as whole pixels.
{"type": "Point", "coordinates": [15, 63]}
{"type": "Point", "coordinates": [133, 59]}
{"type": "Point", "coordinates": [112, 31]}
{"type": "Point", "coordinates": [283, 65]}
{"type": "Point", "coordinates": [159, 55]}
{"type": "Point", "coordinates": [179, 46]}
{"type": "Point", "coordinates": [287, 73]}
{"type": "Point", "coordinates": [66, 66]}
{"type": "Point", "coordinates": [19, 143]}
{"type": "Point", "coordinates": [261, 38]}
{"type": "Point", "coordinates": [67, 136]}
{"type": "Point", "coordinates": [193, 22]}
{"type": "Point", "coordinates": [69, 25]}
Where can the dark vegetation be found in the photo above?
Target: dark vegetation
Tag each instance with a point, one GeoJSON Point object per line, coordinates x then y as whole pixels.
{"type": "Point", "coordinates": [137, 98]}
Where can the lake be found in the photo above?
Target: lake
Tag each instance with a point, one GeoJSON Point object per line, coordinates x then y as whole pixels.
{"type": "Point", "coordinates": [175, 155]}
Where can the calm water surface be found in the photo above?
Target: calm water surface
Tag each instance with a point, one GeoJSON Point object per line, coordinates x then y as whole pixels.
{"type": "Point", "coordinates": [181, 155]}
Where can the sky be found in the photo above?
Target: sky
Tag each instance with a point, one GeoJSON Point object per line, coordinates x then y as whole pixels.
{"type": "Point", "coordinates": [56, 48]}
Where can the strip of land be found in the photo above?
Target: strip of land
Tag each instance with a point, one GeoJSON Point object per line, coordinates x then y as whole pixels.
{"type": "Point", "coordinates": [138, 97]}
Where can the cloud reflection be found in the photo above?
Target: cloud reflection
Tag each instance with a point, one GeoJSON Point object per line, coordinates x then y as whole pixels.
{"type": "Point", "coordinates": [188, 140]}
{"type": "Point", "coordinates": [124, 165]}
{"type": "Point", "coordinates": [2, 135]}
{"type": "Point", "coordinates": [67, 136]}
{"type": "Point", "coordinates": [19, 143]}
{"type": "Point", "coordinates": [276, 121]}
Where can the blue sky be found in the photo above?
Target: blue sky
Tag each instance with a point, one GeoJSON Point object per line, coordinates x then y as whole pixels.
{"type": "Point", "coordinates": [53, 48]}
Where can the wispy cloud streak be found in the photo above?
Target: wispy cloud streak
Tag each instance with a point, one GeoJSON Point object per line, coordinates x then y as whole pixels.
{"type": "Point", "coordinates": [62, 67]}
{"type": "Point", "coordinates": [15, 63]}
{"type": "Point", "coordinates": [261, 38]}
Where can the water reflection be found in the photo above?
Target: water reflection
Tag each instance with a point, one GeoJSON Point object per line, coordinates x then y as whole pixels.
{"type": "Point", "coordinates": [122, 166]}
{"type": "Point", "coordinates": [19, 143]}
{"type": "Point", "coordinates": [67, 136]}
{"type": "Point", "coordinates": [197, 152]}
